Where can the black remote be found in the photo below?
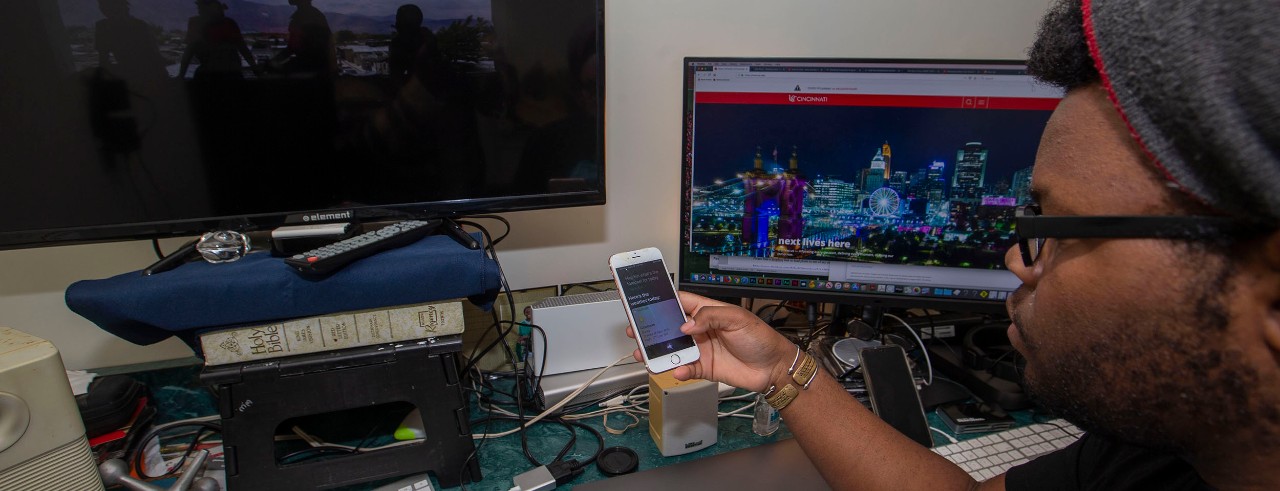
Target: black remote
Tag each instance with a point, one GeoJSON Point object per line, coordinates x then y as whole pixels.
{"type": "Point", "coordinates": [324, 260]}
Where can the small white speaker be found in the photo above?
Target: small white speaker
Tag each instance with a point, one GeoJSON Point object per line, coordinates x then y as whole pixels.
{"type": "Point", "coordinates": [682, 415]}
{"type": "Point", "coordinates": [42, 438]}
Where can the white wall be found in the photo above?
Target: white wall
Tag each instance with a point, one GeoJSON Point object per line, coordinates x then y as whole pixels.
{"type": "Point", "coordinates": [645, 42]}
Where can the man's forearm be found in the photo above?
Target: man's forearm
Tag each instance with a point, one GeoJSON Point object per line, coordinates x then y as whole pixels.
{"type": "Point", "coordinates": [854, 448]}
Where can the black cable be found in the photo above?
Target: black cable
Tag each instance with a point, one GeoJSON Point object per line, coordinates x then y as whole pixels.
{"type": "Point", "coordinates": [996, 362]}
{"type": "Point", "coordinates": [319, 449]}
{"type": "Point", "coordinates": [543, 363]}
{"type": "Point", "coordinates": [524, 442]}
{"type": "Point", "coordinates": [813, 334]}
{"type": "Point", "coordinates": [155, 246]}
{"type": "Point", "coordinates": [599, 440]}
{"type": "Point", "coordinates": [775, 306]}
{"type": "Point", "coordinates": [499, 218]}
{"type": "Point", "coordinates": [475, 357]}
{"type": "Point", "coordinates": [566, 289]}
{"type": "Point", "coordinates": [155, 432]}
{"type": "Point", "coordinates": [489, 247]}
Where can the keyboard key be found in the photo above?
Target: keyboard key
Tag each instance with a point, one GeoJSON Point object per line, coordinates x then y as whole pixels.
{"type": "Point", "coordinates": [990, 455]}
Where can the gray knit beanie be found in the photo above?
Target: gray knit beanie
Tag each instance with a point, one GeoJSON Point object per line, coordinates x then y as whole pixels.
{"type": "Point", "coordinates": [1198, 82]}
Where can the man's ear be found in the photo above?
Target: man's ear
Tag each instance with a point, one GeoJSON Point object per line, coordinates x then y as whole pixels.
{"type": "Point", "coordinates": [1271, 324]}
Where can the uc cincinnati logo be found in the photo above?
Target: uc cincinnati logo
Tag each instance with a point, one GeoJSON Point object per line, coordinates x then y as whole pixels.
{"type": "Point", "coordinates": [806, 98]}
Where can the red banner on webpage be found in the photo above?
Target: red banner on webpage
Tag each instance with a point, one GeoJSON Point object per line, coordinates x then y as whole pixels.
{"type": "Point", "coordinates": [938, 101]}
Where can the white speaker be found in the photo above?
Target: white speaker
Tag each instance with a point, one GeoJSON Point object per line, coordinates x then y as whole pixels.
{"type": "Point", "coordinates": [42, 438]}
{"type": "Point", "coordinates": [682, 415]}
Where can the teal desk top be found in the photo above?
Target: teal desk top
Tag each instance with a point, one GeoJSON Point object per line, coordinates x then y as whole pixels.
{"type": "Point", "coordinates": [179, 395]}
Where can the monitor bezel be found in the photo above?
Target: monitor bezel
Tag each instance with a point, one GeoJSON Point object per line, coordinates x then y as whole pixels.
{"type": "Point", "coordinates": [856, 298]}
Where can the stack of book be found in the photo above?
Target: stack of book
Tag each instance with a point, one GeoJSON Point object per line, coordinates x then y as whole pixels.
{"type": "Point", "coordinates": [330, 332]}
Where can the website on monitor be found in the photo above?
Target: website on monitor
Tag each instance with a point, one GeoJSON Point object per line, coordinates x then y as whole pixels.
{"type": "Point", "coordinates": [875, 178]}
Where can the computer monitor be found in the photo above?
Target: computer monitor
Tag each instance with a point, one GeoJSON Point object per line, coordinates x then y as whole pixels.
{"type": "Point", "coordinates": [887, 183]}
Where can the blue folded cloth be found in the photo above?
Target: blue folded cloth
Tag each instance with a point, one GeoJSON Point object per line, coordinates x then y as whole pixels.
{"type": "Point", "coordinates": [198, 297]}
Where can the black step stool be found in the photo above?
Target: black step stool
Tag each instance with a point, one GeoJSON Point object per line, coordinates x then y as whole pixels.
{"type": "Point", "coordinates": [254, 398]}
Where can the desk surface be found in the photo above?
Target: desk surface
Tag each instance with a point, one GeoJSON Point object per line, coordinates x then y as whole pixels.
{"type": "Point", "coordinates": [181, 396]}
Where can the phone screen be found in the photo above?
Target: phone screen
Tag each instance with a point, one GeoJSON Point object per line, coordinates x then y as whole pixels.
{"type": "Point", "coordinates": [654, 308]}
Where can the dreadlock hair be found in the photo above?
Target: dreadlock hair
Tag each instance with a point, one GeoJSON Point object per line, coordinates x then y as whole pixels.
{"type": "Point", "coordinates": [1060, 55]}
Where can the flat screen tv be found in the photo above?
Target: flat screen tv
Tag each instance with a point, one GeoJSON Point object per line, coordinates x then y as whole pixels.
{"type": "Point", "coordinates": [859, 182]}
{"type": "Point", "coordinates": [131, 119]}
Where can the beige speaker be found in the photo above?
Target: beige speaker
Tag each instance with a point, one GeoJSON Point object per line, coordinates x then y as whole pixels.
{"type": "Point", "coordinates": [42, 440]}
{"type": "Point", "coordinates": [682, 415]}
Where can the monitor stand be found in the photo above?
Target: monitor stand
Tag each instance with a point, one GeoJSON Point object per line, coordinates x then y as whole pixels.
{"type": "Point", "coordinates": [984, 384]}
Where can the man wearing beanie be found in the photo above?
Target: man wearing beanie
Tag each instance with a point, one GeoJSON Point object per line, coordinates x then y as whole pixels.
{"type": "Point", "coordinates": [1157, 332]}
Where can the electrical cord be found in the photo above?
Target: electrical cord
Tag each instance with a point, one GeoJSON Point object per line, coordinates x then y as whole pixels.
{"type": "Point", "coordinates": [920, 342]}
{"type": "Point", "coordinates": [205, 424]}
{"type": "Point", "coordinates": [489, 246]}
{"type": "Point", "coordinates": [950, 438]}
{"type": "Point", "coordinates": [558, 405]}
{"type": "Point", "coordinates": [565, 290]}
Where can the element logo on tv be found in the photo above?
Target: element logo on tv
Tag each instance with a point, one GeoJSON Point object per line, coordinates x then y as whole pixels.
{"type": "Point", "coordinates": [318, 217]}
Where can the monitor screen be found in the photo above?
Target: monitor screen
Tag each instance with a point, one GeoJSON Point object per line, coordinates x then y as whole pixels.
{"type": "Point", "coordinates": [149, 118]}
{"type": "Point", "coordinates": [865, 182]}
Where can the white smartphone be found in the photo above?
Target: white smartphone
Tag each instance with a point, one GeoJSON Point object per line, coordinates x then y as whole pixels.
{"type": "Point", "coordinates": [654, 309]}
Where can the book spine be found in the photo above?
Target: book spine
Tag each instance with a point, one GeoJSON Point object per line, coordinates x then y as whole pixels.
{"type": "Point", "coordinates": [332, 332]}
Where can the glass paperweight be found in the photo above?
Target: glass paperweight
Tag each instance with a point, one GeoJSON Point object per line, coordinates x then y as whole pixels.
{"type": "Point", "coordinates": [223, 246]}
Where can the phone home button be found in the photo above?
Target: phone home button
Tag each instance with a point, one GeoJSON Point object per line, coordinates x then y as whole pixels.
{"type": "Point", "coordinates": [675, 359]}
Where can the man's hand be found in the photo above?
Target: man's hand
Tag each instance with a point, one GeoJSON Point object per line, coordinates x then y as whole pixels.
{"type": "Point", "coordinates": [734, 345]}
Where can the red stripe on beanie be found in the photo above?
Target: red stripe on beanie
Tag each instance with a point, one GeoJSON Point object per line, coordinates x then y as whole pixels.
{"type": "Point", "coordinates": [1096, 53]}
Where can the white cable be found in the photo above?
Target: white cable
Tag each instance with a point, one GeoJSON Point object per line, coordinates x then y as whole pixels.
{"type": "Point", "coordinates": [316, 442]}
{"type": "Point", "coordinates": [945, 434]}
{"type": "Point", "coordinates": [752, 405]}
{"type": "Point", "coordinates": [924, 351]}
{"type": "Point", "coordinates": [557, 406]}
{"type": "Point", "coordinates": [749, 395]}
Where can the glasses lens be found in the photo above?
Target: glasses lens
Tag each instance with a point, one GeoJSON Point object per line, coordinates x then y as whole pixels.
{"type": "Point", "coordinates": [1033, 248]}
{"type": "Point", "coordinates": [1030, 248]}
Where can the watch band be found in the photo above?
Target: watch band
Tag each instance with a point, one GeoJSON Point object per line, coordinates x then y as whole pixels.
{"type": "Point", "coordinates": [804, 368]}
{"type": "Point", "coordinates": [783, 397]}
{"type": "Point", "coordinates": [806, 372]}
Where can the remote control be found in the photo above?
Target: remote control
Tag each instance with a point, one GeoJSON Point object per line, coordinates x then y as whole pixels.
{"type": "Point", "coordinates": [325, 260]}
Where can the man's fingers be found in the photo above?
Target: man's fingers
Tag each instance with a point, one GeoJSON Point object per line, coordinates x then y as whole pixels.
{"type": "Point", "coordinates": [692, 302]}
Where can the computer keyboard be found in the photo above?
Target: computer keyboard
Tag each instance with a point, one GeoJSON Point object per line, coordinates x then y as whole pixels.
{"type": "Point", "coordinates": [990, 455]}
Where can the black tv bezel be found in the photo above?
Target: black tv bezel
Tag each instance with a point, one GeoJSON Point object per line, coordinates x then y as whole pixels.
{"type": "Point", "coordinates": [193, 226]}
{"type": "Point", "coordinates": [862, 299]}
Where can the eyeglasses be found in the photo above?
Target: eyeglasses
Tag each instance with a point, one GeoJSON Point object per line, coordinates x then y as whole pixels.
{"type": "Point", "coordinates": [1033, 229]}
